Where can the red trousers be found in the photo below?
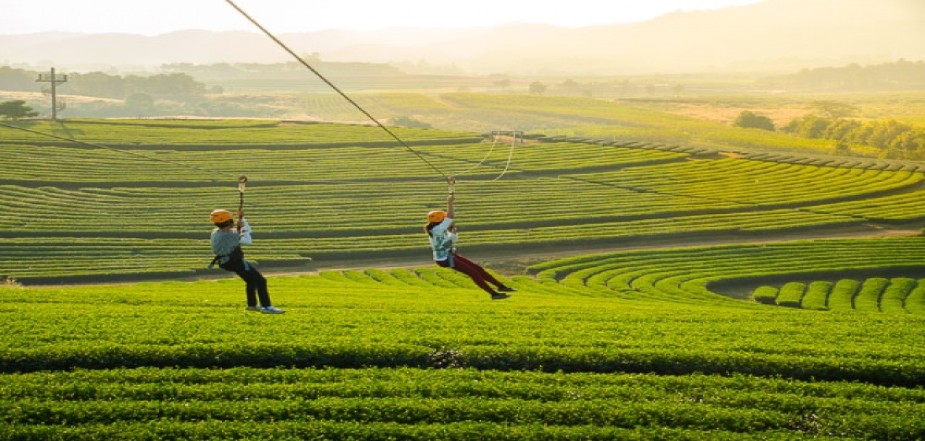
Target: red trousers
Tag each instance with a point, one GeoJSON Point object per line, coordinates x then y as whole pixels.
{"type": "Point", "coordinates": [473, 270]}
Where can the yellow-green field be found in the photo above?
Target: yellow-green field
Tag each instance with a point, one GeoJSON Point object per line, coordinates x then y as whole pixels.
{"type": "Point", "coordinates": [663, 291]}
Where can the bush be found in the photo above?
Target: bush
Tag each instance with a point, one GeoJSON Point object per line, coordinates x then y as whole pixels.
{"type": "Point", "coordinates": [791, 294]}
{"type": "Point", "coordinates": [750, 120]}
{"type": "Point", "coordinates": [16, 110]}
{"type": "Point", "coordinates": [765, 294]}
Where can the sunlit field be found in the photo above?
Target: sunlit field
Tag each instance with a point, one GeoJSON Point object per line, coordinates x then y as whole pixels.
{"type": "Point", "coordinates": [664, 291]}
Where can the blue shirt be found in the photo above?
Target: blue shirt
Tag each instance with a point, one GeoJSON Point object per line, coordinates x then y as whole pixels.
{"type": "Point", "coordinates": [225, 241]}
{"type": "Point", "coordinates": [442, 239]}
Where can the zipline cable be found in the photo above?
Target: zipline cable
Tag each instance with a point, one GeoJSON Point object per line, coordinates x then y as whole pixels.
{"type": "Point", "coordinates": [336, 89]}
{"type": "Point", "coordinates": [490, 150]}
{"type": "Point", "coordinates": [507, 164]}
{"type": "Point", "coordinates": [510, 155]}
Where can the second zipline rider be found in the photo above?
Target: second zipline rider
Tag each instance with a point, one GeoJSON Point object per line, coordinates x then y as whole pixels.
{"type": "Point", "coordinates": [441, 229]}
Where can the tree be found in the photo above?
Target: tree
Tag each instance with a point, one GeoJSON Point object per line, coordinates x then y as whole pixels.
{"type": "Point", "coordinates": [809, 126]}
{"type": "Point", "coordinates": [503, 83]}
{"type": "Point", "coordinates": [885, 132]}
{"type": "Point", "coordinates": [16, 79]}
{"type": "Point", "coordinates": [537, 88]}
{"type": "Point", "coordinates": [833, 109]}
{"type": "Point", "coordinates": [751, 120]}
{"type": "Point", "coordinates": [140, 103]}
{"type": "Point", "coordinates": [16, 109]}
{"type": "Point", "coordinates": [840, 129]}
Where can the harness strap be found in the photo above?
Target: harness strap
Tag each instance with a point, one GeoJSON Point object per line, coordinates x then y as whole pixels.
{"type": "Point", "coordinates": [234, 258]}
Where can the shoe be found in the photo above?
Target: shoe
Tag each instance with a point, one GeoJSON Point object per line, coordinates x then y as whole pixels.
{"type": "Point", "coordinates": [499, 296]}
{"type": "Point", "coordinates": [254, 308]}
{"type": "Point", "coordinates": [271, 310]}
{"type": "Point", "coordinates": [504, 288]}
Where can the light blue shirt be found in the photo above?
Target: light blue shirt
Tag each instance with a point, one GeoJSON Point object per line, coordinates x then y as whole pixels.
{"type": "Point", "coordinates": [224, 242]}
{"type": "Point", "coordinates": [442, 239]}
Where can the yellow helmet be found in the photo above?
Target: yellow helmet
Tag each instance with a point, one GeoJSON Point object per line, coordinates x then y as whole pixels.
{"type": "Point", "coordinates": [221, 216]}
{"type": "Point", "coordinates": [436, 216]}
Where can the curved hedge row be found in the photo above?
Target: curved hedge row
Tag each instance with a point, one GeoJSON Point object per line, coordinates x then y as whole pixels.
{"type": "Point", "coordinates": [80, 211]}
{"type": "Point", "coordinates": [897, 295]}
{"type": "Point", "coordinates": [629, 345]}
{"type": "Point", "coordinates": [697, 274]}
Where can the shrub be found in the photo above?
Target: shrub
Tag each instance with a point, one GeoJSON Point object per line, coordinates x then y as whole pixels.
{"type": "Point", "coordinates": [750, 120]}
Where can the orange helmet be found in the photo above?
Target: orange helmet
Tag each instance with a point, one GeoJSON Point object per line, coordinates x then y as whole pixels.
{"type": "Point", "coordinates": [436, 216]}
{"type": "Point", "coordinates": [220, 216]}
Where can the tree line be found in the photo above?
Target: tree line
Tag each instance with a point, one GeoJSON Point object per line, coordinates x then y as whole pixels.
{"type": "Point", "coordinates": [832, 120]}
{"type": "Point", "coordinates": [899, 75]}
{"type": "Point", "coordinates": [894, 139]}
{"type": "Point", "coordinates": [103, 85]}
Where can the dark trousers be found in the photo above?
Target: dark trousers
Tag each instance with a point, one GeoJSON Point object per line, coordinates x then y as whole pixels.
{"type": "Point", "coordinates": [478, 274]}
{"type": "Point", "coordinates": [256, 285]}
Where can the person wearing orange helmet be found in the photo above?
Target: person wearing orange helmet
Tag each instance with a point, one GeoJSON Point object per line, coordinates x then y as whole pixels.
{"type": "Point", "coordinates": [226, 244]}
{"type": "Point", "coordinates": [441, 228]}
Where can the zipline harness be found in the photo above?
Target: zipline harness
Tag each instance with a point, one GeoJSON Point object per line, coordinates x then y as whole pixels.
{"type": "Point", "coordinates": [242, 184]}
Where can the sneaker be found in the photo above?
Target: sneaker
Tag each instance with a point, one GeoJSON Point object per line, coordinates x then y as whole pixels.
{"type": "Point", "coordinates": [499, 296]}
{"type": "Point", "coordinates": [504, 288]}
{"type": "Point", "coordinates": [271, 310]}
{"type": "Point", "coordinates": [254, 308]}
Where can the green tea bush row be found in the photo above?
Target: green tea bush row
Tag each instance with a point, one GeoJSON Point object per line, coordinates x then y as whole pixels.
{"type": "Point", "coordinates": [585, 350]}
{"type": "Point", "coordinates": [817, 294]}
{"type": "Point", "coordinates": [895, 295]}
{"type": "Point", "coordinates": [674, 275]}
{"type": "Point", "coordinates": [139, 133]}
{"type": "Point", "coordinates": [791, 294]}
{"type": "Point", "coordinates": [328, 203]}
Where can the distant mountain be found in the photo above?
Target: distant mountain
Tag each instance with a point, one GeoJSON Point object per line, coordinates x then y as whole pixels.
{"type": "Point", "coordinates": [773, 36]}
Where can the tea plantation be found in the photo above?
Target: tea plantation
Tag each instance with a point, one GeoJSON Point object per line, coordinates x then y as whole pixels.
{"type": "Point", "coordinates": [686, 294]}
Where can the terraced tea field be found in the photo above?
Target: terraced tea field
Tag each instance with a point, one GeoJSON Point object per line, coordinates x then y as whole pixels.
{"type": "Point", "coordinates": [625, 345]}
{"type": "Point", "coordinates": [128, 200]}
{"type": "Point", "coordinates": [749, 334]}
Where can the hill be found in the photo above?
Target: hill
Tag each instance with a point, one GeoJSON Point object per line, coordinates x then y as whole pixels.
{"type": "Point", "coordinates": [772, 36]}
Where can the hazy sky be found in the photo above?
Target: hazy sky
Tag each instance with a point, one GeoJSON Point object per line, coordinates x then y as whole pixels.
{"type": "Point", "coordinates": [154, 17]}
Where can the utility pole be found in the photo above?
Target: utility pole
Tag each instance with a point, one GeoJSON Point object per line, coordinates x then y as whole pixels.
{"type": "Point", "coordinates": [51, 78]}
